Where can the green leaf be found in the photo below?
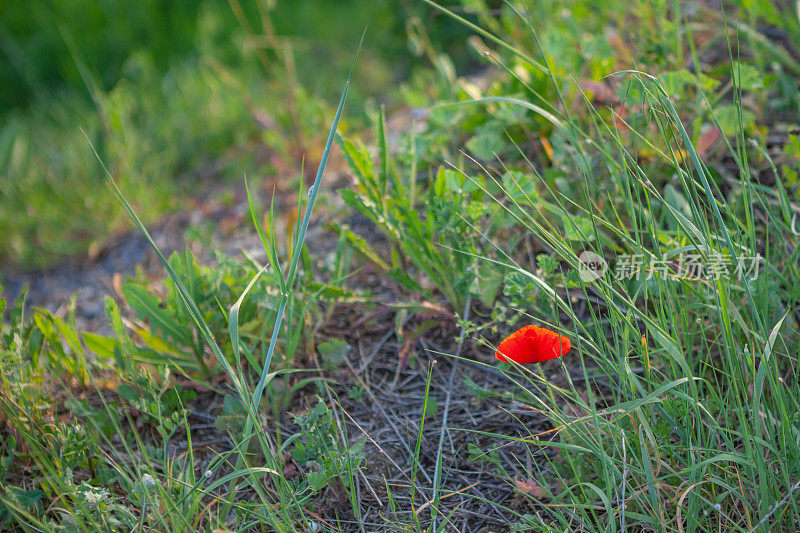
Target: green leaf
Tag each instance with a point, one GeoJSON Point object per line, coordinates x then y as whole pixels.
{"type": "Point", "coordinates": [233, 415]}
{"type": "Point", "coordinates": [487, 141]}
{"type": "Point", "coordinates": [677, 200]}
{"type": "Point", "coordinates": [675, 82]}
{"type": "Point", "coordinates": [188, 271]}
{"type": "Point", "coordinates": [486, 283]}
{"type": "Point", "coordinates": [747, 77]}
{"type": "Point", "coordinates": [127, 392]}
{"type": "Point", "coordinates": [519, 186]}
{"type": "Point", "coordinates": [316, 480]}
{"type": "Point", "coordinates": [359, 159]}
{"type": "Point", "coordinates": [27, 498]}
{"type": "Point", "coordinates": [104, 347]}
{"type": "Point", "coordinates": [578, 228]}
{"type": "Point", "coordinates": [147, 305]}
{"type": "Point", "coordinates": [401, 276]}
{"type": "Point", "coordinates": [120, 360]}
{"type": "Point", "coordinates": [728, 118]}
{"type": "Point", "coordinates": [333, 351]}
{"type": "Point", "coordinates": [517, 283]}
{"type": "Point", "coordinates": [546, 262]}
{"type": "Point", "coordinates": [362, 246]}
{"type": "Point", "coordinates": [762, 367]}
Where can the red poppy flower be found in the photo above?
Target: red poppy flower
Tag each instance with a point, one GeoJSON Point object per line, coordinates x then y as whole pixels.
{"type": "Point", "coordinates": [532, 344]}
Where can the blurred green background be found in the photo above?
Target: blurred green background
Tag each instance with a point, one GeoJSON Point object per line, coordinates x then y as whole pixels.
{"type": "Point", "coordinates": [168, 91]}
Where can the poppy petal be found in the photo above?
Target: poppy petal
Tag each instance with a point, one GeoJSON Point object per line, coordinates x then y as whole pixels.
{"type": "Point", "coordinates": [532, 344]}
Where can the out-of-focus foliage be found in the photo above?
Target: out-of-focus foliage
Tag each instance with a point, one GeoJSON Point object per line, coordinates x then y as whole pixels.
{"type": "Point", "coordinates": [166, 92]}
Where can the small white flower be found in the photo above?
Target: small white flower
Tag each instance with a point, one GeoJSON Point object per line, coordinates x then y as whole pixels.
{"type": "Point", "coordinates": [208, 473]}
{"type": "Point", "coordinates": [148, 481]}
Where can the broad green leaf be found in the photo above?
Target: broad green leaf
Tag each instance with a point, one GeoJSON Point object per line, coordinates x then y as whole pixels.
{"type": "Point", "coordinates": [147, 305]}
{"type": "Point", "coordinates": [102, 346]}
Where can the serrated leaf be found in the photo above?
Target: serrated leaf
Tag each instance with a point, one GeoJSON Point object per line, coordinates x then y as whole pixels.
{"type": "Point", "coordinates": [359, 159]}
{"type": "Point", "coordinates": [27, 498]}
{"type": "Point", "coordinates": [517, 283]}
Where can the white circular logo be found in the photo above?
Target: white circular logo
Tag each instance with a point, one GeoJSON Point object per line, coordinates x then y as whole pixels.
{"type": "Point", "coordinates": [591, 266]}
